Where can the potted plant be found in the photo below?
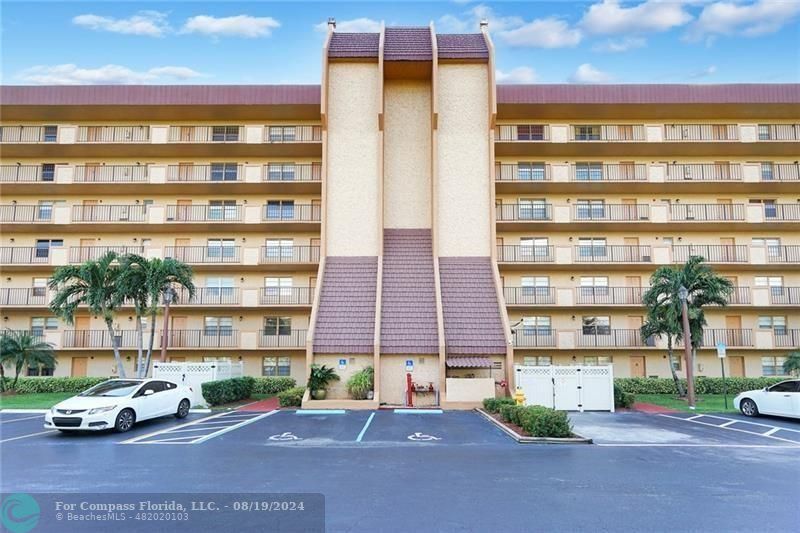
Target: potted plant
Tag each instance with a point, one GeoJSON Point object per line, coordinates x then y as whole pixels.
{"type": "Point", "coordinates": [361, 384]}
{"type": "Point", "coordinates": [318, 381]}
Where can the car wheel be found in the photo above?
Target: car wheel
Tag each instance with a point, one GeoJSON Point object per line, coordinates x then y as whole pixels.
{"type": "Point", "coordinates": [125, 420]}
{"type": "Point", "coordinates": [183, 409]}
{"type": "Point", "coordinates": [748, 407]}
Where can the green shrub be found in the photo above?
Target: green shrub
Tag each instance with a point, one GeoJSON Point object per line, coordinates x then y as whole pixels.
{"type": "Point", "coordinates": [492, 405]}
{"type": "Point", "coordinates": [505, 412]}
{"type": "Point", "coordinates": [291, 397]}
{"type": "Point", "coordinates": [550, 423]}
{"type": "Point", "coordinates": [529, 414]}
{"type": "Point", "coordinates": [273, 385]}
{"type": "Point", "coordinates": [622, 398]}
{"type": "Point", "coordinates": [703, 385]}
{"type": "Point", "coordinates": [228, 390]}
{"type": "Point", "coordinates": [49, 384]}
{"type": "Point", "coordinates": [361, 383]}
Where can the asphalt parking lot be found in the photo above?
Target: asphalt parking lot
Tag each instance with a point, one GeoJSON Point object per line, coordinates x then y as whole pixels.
{"type": "Point", "coordinates": [453, 471]}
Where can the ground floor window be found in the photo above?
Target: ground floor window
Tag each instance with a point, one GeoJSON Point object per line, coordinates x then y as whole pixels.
{"type": "Point", "coordinates": [772, 366]}
{"type": "Point", "coordinates": [676, 363]}
{"type": "Point", "coordinates": [537, 360]}
{"type": "Point", "coordinates": [40, 371]}
{"type": "Point", "coordinates": [595, 360]}
{"type": "Point", "coordinates": [276, 366]}
{"type": "Point", "coordinates": [216, 359]}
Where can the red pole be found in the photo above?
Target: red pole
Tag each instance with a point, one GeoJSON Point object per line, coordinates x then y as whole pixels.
{"type": "Point", "coordinates": [409, 393]}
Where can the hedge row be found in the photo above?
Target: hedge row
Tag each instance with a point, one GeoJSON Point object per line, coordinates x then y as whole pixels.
{"type": "Point", "coordinates": [273, 385]}
{"type": "Point", "coordinates": [537, 421]}
{"type": "Point", "coordinates": [228, 390]}
{"type": "Point", "coordinates": [291, 397]}
{"type": "Point", "coordinates": [493, 405]}
{"type": "Point", "coordinates": [702, 385]}
{"type": "Point", "coordinates": [48, 384]}
{"type": "Point", "coordinates": [622, 398]}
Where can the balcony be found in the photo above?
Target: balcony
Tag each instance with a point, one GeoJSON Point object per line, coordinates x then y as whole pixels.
{"type": "Point", "coordinates": [524, 212]}
{"type": "Point", "coordinates": [109, 213]}
{"type": "Point", "coordinates": [80, 254]}
{"type": "Point", "coordinates": [613, 254]}
{"type": "Point", "coordinates": [529, 295]}
{"type": "Point", "coordinates": [209, 296]}
{"type": "Point", "coordinates": [26, 213]}
{"type": "Point", "coordinates": [613, 338]}
{"type": "Point", "coordinates": [292, 134]}
{"type": "Point", "coordinates": [534, 338]}
{"type": "Point", "coordinates": [33, 296]}
{"type": "Point", "coordinates": [701, 132]}
{"type": "Point", "coordinates": [706, 212]}
{"type": "Point", "coordinates": [522, 172]}
{"type": "Point", "coordinates": [206, 134]}
{"type": "Point", "coordinates": [592, 172]}
{"type": "Point", "coordinates": [779, 132]}
{"type": "Point", "coordinates": [28, 134]}
{"type": "Point", "coordinates": [24, 255]}
{"type": "Point", "coordinates": [292, 172]}
{"type": "Point", "coordinates": [780, 172]}
{"type": "Point", "coordinates": [782, 212]}
{"type": "Point", "coordinates": [295, 339]}
{"type": "Point", "coordinates": [27, 173]}
{"type": "Point", "coordinates": [204, 213]}
{"type": "Point", "coordinates": [215, 172]}
{"type": "Point", "coordinates": [789, 338]}
{"type": "Point", "coordinates": [283, 212]}
{"type": "Point", "coordinates": [739, 296]}
{"type": "Point", "coordinates": [784, 295]}
{"type": "Point", "coordinates": [113, 134]}
{"type": "Point", "coordinates": [729, 337]}
{"type": "Point", "coordinates": [522, 133]}
{"type": "Point", "coordinates": [525, 254]}
{"type": "Point", "coordinates": [110, 174]}
{"type": "Point", "coordinates": [585, 212]}
{"type": "Point", "coordinates": [608, 133]}
{"type": "Point", "coordinates": [704, 172]}
{"type": "Point", "coordinates": [280, 296]}
{"type": "Point", "coordinates": [202, 338]}
{"type": "Point", "coordinates": [712, 253]}
{"type": "Point", "coordinates": [784, 254]}
{"type": "Point", "coordinates": [204, 254]}
{"type": "Point", "coordinates": [99, 338]}
{"type": "Point", "coordinates": [609, 295]}
{"type": "Point", "coordinates": [289, 254]}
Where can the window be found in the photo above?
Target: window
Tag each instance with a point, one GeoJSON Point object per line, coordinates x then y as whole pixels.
{"type": "Point", "coordinates": [222, 210]}
{"type": "Point", "coordinates": [218, 326]}
{"type": "Point", "coordinates": [40, 371]}
{"type": "Point", "coordinates": [280, 210]}
{"type": "Point", "coordinates": [277, 325]}
{"type": "Point", "coordinates": [278, 286]}
{"type": "Point", "coordinates": [39, 286]}
{"type": "Point", "coordinates": [776, 323]}
{"type": "Point", "coordinates": [590, 209]}
{"type": "Point", "coordinates": [537, 360]}
{"type": "Point", "coordinates": [588, 171]}
{"type": "Point", "coordinates": [592, 286]}
{"type": "Point", "coordinates": [224, 171]}
{"type": "Point", "coordinates": [530, 132]}
{"type": "Point", "coordinates": [217, 288]}
{"type": "Point", "coordinates": [221, 248]}
{"type": "Point", "coordinates": [281, 171]}
{"type": "Point", "coordinates": [767, 171]}
{"type": "Point", "coordinates": [280, 249]}
{"type": "Point", "coordinates": [535, 285]}
{"type": "Point", "coordinates": [676, 363]}
{"type": "Point", "coordinates": [531, 171]}
{"type": "Point", "coordinates": [43, 246]}
{"type": "Point", "coordinates": [532, 209]}
{"type": "Point", "coordinates": [592, 247]}
{"type": "Point", "coordinates": [276, 366]}
{"type": "Point", "coordinates": [773, 245]}
{"type": "Point", "coordinates": [587, 133]}
{"type": "Point", "coordinates": [225, 133]}
{"type": "Point", "coordinates": [48, 171]}
{"type": "Point", "coordinates": [536, 325]}
{"type": "Point", "coordinates": [772, 366]}
{"type": "Point", "coordinates": [770, 209]}
{"type": "Point", "coordinates": [764, 132]}
{"type": "Point", "coordinates": [40, 324]}
{"type": "Point", "coordinates": [50, 134]}
{"type": "Point", "coordinates": [596, 325]}
{"type": "Point", "coordinates": [595, 360]}
{"type": "Point", "coordinates": [785, 386]}
{"type": "Point", "coordinates": [44, 210]}
{"type": "Point", "coordinates": [533, 247]}
{"type": "Point", "coordinates": [282, 134]}
{"type": "Point", "coordinates": [775, 284]}
{"type": "Point", "coordinates": [216, 359]}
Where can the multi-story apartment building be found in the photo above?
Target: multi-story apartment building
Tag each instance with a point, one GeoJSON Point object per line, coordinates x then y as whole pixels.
{"type": "Point", "coordinates": [409, 214]}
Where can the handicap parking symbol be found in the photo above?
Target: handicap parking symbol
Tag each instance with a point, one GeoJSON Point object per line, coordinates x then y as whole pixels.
{"type": "Point", "coordinates": [422, 437]}
{"type": "Point", "coordinates": [285, 436]}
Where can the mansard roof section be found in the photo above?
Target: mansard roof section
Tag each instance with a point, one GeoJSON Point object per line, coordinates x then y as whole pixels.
{"type": "Point", "coordinates": [354, 45]}
{"type": "Point", "coordinates": [462, 46]}
{"type": "Point", "coordinates": [408, 44]}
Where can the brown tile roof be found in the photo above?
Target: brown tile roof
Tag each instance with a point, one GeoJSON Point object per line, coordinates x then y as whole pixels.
{"type": "Point", "coordinates": [462, 46]}
{"type": "Point", "coordinates": [468, 362]}
{"type": "Point", "coordinates": [354, 45]}
{"type": "Point", "coordinates": [408, 44]}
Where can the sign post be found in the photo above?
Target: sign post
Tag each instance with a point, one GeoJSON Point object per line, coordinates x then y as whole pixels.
{"type": "Point", "coordinates": [721, 349]}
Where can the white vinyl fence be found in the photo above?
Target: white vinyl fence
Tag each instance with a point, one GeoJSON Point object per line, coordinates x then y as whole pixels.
{"type": "Point", "coordinates": [195, 374]}
{"type": "Point", "coordinates": [567, 388]}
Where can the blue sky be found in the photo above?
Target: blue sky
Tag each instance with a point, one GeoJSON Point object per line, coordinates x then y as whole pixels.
{"type": "Point", "coordinates": [592, 41]}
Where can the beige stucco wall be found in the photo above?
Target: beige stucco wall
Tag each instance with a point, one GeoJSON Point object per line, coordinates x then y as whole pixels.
{"type": "Point", "coordinates": [353, 155]}
{"type": "Point", "coordinates": [407, 154]}
{"type": "Point", "coordinates": [337, 390]}
{"type": "Point", "coordinates": [393, 378]}
{"type": "Point", "coordinates": [463, 201]}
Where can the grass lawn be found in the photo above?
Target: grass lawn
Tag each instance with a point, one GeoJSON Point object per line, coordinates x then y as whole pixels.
{"type": "Point", "coordinates": [706, 403]}
{"type": "Point", "coordinates": [43, 400]}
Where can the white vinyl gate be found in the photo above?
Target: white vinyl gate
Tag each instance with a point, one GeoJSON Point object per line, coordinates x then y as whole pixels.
{"type": "Point", "coordinates": [195, 374]}
{"type": "Point", "coordinates": [567, 388]}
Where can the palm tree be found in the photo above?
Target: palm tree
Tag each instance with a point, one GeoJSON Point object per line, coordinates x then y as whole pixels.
{"type": "Point", "coordinates": [659, 323]}
{"type": "Point", "coordinates": [791, 366]}
{"type": "Point", "coordinates": [24, 350]}
{"type": "Point", "coordinates": [132, 287]}
{"type": "Point", "coordinates": [94, 284]}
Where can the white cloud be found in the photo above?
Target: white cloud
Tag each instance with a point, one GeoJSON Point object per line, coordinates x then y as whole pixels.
{"type": "Point", "coordinates": [516, 75]}
{"type": "Point", "coordinates": [620, 45]}
{"type": "Point", "coordinates": [149, 23]}
{"type": "Point", "coordinates": [586, 73]}
{"type": "Point", "coordinates": [750, 20]}
{"type": "Point", "coordinates": [469, 21]}
{"type": "Point", "coordinates": [609, 17]}
{"type": "Point", "coordinates": [70, 74]}
{"type": "Point", "coordinates": [705, 73]}
{"type": "Point", "coordinates": [359, 25]}
{"type": "Point", "coordinates": [543, 33]}
{"type": "Point", "coordinates": [236, 26]}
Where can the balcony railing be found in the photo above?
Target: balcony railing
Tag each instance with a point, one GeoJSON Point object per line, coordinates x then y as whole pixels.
{"type": "Point", "coordinates": [780, 172]}
{"type": "Point", "coordinates": [295, 339]}
{"type": "Point", "coordinates": [79, 254]}
{"type": "Point", "coordinates": [712, 253]}
{"type": "Point", "coordinates": [25, 213]}
{"type": "Point", "coordinates": [522, 172]}
{"type": "Point", "coordinates": [287, 296]}
{"type": "Point", "coordinates": [25, 174]}
{"type": "Point", "coordinates": [706, 212]}
{"type": "Point", "coordinates": [99, 338]}
{"type": "Point", "coordinates": [292, 134]}
{"type": "Point", "coordinates": [110, 174]}
{"type": "Point", "coordinates": [525, 254]}
{"type": "Point", "coordinates": [209, 296]}
{"type": "Point", "coordinates": [204, 213]}
{"type": "Point", "coordinates": [290, 254]}
{"type": "Point", "coordinates": [609, 295]}
{"type": "Point", "coordinates": [109, 213]}
{"type": "Point", "coordinates": [608, 172]}
{"type": "Point", "coordinates": [704, 172]}
{"type": "Point", "coordinates": [206, 134]}
{"type": "Point", "coordinates": [113, 134]}
{"type": "Point", "coordinates": [222, 172]}
{"type": "Point", "coordinates": [613, 338]}
{"type": "Point", "coordinates": [202, 338]}
{"type": "Point", "coordinates": [530, 212]}
{"type": "Point", "coordinates": [292, 213]}
{"type": "Point", "coordinates": [24, 296]}
{"type": "Point", "coordinates": [730, 337]}
{"type": "Point", "coordinates": [782, 212]}
{"type": "Point", "coordinates": [789, 338]}
{"type": "Point", "coordinates": [783, 254]}
{"type": "Point", "coordinates": [701, 132]}
{"type": "Point", "coordinates": [610, 212]}
{"type": "Point", "coordinates": [626, 253]}
{"type": "Point", "coordinates": [24, 255]}
{"type": "Point", "coordinates": [529, 295]}
{"type": "Point", "coordinates": [292, 172]}
{"type": "Point", "coordinates": [608, 132]}
{"type": "Point", "coordinates": [779, 132]}
{"type": "Point", "coordinates": [534, 338]}
{"type": "Point", "coordinates": [28, 134]}
{"type": "Point", "coordinates": [204, 254]}
{"type": "Point", "coordinates": [523, 133]}
{"type": "Point", "coordinates": [739, 296]}
{"type": "Point", "coordinates": [784, 295]}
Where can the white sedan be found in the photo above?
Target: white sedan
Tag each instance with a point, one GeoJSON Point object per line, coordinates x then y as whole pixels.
{"type": "Point", "coordinates": [781, 399]}
{"type": "Point", "coordinates": [119, 404]}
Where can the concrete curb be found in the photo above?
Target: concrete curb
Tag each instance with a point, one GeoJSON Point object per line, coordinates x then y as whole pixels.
{"type": "Point", "coordinates": [524, 439]}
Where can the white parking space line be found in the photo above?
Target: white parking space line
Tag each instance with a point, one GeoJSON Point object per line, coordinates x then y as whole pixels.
{"type": "Point", "coordinates": [364, 429]}
{"type": "Point", "coordinates": [214, 425]}
{"type": "Point", "coordinates": [731, 428]}
{"type": "Point", "coordinates": [20, 419]}
{"type": "Point", "coordinates": [726, 424]}
{"type": "Point", "coordinates": [29, 435]}
{"type": "Point", "coordinates": [771, 431]}
{"type": "Point", "coordinates": [237, 426]}
{"type": "Point", "coordinates": [732, 420]}
{"type": "Point", "coordinates": [165, 430]}
{"type": "Point", "coordinates": [678, 445]}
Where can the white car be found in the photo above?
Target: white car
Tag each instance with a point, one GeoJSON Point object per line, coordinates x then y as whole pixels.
{"type": "Point", "coordinates": [781, 399]}
{"type": "Point", "coordinates": [119, 404]}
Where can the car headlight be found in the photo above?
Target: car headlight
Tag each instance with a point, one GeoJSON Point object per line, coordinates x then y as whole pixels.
{"type": "Point", "coordinates": [98, 410]}
{"type": "Point", "coordinates": [53, 410]}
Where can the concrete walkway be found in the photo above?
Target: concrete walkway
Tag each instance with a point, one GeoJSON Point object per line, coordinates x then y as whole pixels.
{"type": "Point", "coordinates": [270, 404]}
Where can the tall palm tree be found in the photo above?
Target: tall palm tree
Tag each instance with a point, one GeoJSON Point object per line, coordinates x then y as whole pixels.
{"type": "Point", "coordinates": [24, 350]}
{"type": "Point", "coordinates": [94, 284]}
{"type": "Point", "coordinates": [132, 288]}
{"type": "Point", "coordinates": [659, 323]}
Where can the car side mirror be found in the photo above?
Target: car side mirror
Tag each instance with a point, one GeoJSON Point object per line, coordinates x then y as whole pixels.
{"type": "Point", "coordinates": [149, 392]}
{"type": "Point", "coordinates": [766, 389]}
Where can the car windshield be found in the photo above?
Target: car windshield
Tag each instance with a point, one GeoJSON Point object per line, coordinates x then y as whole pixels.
{"type": "Point", "coordinates": [116, 388]}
